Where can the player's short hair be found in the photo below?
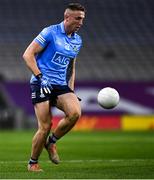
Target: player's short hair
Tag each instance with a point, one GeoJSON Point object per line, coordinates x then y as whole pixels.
{"type": "Point", "coordinates": [75, 7]}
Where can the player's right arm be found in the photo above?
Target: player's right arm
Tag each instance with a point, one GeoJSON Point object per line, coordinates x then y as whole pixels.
{"type": "Point", "coordinates": [29, 57]}
{"type": "Point", "coordinates": [37, 45]}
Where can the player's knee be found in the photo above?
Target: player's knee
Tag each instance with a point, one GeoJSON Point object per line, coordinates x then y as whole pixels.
{"type": "Point", "coordinates": [73, 117]}
{"type": "Point", "coordinates": [45, 129]}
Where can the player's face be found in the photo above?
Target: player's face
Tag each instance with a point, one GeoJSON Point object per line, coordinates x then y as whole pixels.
{"type": "Point", "coordinates": [75, 20]}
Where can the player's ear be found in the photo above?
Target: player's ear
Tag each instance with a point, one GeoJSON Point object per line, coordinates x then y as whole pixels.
{"type": "Point", "coordinates": [67, 14]}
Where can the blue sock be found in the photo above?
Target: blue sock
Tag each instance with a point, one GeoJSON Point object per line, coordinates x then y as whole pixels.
{"type": "Point", "coordinates": [53, 139]}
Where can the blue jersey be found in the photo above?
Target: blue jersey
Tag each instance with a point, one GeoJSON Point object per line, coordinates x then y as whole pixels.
{"type": "Point", "coordinates": [56, 59]}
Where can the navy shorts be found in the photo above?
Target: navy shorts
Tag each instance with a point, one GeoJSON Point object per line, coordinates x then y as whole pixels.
{"type": "Point", "coordinates": [37, 96]}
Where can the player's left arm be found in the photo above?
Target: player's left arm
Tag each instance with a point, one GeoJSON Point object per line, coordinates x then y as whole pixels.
{"type": "Point", "coordinates": [72, 78]}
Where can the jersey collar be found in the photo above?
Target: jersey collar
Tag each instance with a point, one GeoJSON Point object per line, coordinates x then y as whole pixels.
{"type": "Point", "coordinates": [63, 29]}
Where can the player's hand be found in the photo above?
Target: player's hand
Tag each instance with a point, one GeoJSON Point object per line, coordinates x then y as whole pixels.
{"type": "Point", "coordinates": [44, 83]}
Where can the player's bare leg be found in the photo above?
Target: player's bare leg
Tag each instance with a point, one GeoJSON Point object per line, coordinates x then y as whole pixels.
{"type": "Point", "coordinates": [43, 114]}
{"type": "Point", "coordinates": [69, 104]}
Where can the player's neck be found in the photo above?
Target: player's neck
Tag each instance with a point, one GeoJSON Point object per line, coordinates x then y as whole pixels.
{"type": "Point", "coordinates": [69, 34]}
{"type": "Point", "coordinates": [67, 30]}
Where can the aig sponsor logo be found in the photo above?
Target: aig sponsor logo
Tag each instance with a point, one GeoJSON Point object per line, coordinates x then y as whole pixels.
{"type": "Point", "coordinates": [60, 59]}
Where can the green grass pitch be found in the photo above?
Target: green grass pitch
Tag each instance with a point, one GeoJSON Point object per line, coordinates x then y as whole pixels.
{"type": "Point", "coordinates": [84, 155]}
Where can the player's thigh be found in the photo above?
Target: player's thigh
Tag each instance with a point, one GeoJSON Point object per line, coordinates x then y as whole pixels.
{"type": "Point", "coordinates": [43, 113]}
{"type": "Point", "coordinates": [69, 104]}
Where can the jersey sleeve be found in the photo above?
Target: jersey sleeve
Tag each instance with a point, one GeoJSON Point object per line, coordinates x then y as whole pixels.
{"type": "Point", "coordinates": [43, 38]}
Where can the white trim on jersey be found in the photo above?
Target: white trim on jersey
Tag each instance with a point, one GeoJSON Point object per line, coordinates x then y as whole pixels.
{"type": "Point", "coordinates": [40, 38]}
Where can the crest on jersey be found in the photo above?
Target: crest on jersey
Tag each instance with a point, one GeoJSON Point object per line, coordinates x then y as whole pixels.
{"type": "Point", "coordinates": [67, 46]}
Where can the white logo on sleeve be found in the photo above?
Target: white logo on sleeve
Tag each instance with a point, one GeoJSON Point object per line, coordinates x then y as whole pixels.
{"type": "Point", "coordinates": [33, 96]}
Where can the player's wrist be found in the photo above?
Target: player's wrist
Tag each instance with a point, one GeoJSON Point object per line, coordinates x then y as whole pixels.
{"type": "Point", "coordinates": [39, 76]}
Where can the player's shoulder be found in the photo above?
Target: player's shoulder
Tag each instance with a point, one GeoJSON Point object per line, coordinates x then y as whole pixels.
{"type": "Point", "coordinates": [54, 28]}
{"type": "Point", "coordinates": [48, 29]}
